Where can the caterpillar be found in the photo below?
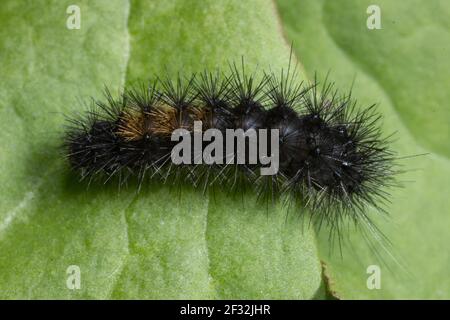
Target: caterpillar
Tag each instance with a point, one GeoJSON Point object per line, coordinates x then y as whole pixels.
{"type": "Point", "coordinates": [332, 156]}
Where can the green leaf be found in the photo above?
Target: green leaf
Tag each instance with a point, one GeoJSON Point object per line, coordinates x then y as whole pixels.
{"type": "Point", "coordinates": [162, 242]}
{"type": "Point", "coordinates": [403, 67]}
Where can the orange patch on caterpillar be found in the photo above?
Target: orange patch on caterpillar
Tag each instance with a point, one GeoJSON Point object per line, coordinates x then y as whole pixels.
{"type": "Point", "coordinates": [203, 114]}
{"type": "Point", "coordinates": [167, 119]}
{"type": "Point", "coordinates": [134, 125]}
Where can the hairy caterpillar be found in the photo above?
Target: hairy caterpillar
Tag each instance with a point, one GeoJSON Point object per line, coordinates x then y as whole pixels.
{"type": "Point", "coordinates": [332, 156]}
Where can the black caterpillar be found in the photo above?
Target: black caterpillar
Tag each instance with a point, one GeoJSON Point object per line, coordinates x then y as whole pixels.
{"type": "Point", "coordinates": [332, 156]}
